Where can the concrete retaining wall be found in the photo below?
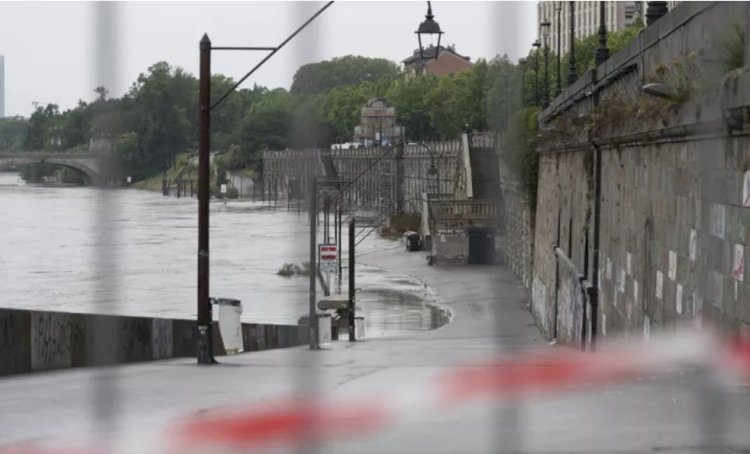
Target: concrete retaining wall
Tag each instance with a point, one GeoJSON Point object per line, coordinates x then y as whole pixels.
{"type": "Point", "coordinates": [32, 341]}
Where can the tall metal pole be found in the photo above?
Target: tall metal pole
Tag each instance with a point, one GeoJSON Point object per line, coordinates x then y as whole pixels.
{"type": "Point", "coordinates": [340, 242]}
{"type": "Point", "coordinates": [352, 293]}
{"type": "Point", "coordinates": [545, 37]}
{"type": "Point", "coordinates": [572, 74]}
{"type": "Point", "coordinates": [602, 53]}
{"type": "Point", "coordinates": [205, 347]}
{"type": "Point", "coordinates": [313, 266]}
{"type": "Point", "coordinates": [536, 72]}
{"type": "Point", "coordinates": [558, 89]}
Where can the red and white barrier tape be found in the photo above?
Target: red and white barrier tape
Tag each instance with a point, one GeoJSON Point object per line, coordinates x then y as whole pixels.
{"type": "Point", "coordinates": [549, 371]}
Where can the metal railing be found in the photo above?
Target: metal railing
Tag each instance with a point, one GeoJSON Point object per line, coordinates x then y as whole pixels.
{"type": "Point", "coordinates": [462, 209]}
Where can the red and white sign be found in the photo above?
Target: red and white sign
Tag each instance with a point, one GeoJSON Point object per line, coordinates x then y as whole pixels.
{"type": "Point", "coordinates": [328, 256]}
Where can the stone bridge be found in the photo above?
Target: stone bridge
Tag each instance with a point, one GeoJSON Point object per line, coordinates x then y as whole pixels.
{"type": "Point", "coordinates": [94, 168]}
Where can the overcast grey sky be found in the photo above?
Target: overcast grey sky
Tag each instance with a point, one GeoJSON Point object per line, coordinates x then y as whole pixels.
{"type": "Point", "coordinates": [50, 58]}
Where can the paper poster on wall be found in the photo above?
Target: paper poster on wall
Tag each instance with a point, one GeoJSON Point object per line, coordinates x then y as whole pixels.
{"type": "Point", "coordinates": [678, 298]}
{"type": "Point", "coordinates": [738, 265]}
{"type": "Point", "coordinates": [659, 284]}
{"type": "Point", "coordinates": [693, 246]}
{"type": "Point", "coordinates": [746, 190]}
{"type": "Point", "coordinates": [672, 272]}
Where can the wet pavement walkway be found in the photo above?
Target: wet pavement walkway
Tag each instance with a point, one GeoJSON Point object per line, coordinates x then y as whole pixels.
{"type": "Point", "coordinates": [490, 317]}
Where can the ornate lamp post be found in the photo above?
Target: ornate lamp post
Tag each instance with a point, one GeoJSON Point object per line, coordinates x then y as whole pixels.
{"type": "Point", "coordinates": [545, 36]}
{"type": "Point", "coordinates": [536, 46]}
{"type": "Point", "coordinates": [572, 73]}
{"type": "Point", "coordinates": [428, 27]}
{"type": "Point", "coordinates": [602, 53]}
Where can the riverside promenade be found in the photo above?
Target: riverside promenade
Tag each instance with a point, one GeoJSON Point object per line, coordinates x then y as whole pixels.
{"type": "Point", "coordinates": [137, 403]}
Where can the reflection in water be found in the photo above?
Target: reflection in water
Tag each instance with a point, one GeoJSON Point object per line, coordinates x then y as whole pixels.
{"type": "Point", "coordinates": [47, 259]}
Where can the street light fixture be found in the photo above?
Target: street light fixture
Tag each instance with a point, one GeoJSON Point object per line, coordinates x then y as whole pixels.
{"type": "Point", "coordinates": [536, 46]}
{"type": "Point", "coordinates": [545, 36]}
{"type": "Point", "coordinates": [428, 27]}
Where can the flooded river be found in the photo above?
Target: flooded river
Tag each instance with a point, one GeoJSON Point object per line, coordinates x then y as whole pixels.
{"type": "Point", "coordinates": [49, 258]}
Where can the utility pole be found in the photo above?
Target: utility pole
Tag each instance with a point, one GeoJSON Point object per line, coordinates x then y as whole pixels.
{"type": "Point", "coordinates": [352, 292]}
{"type": "Point", "coordinates": [313, 266]}
{"type": "Point", "coordinates": [205, 346]}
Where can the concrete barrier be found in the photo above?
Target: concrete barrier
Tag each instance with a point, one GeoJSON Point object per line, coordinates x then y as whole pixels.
{"type": "Point", "coordinates": [32, 341]}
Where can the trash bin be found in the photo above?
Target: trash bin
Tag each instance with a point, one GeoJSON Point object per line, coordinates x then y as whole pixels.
{"type": "Point", "coordinates": [230, 326]}
{"type": "Point", "coordinates": [413, 242]}
{"type": "Point", "coordinates": [359, 327]}
{"type": "Point", "coordinates": [324, 330]}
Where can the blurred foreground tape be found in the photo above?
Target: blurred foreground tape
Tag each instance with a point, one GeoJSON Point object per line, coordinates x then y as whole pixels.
{"type": "Point", "coordinates": [548, 372]}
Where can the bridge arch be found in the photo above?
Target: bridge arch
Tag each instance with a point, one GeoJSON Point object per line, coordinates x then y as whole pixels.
{"type": "Point", "coordinates": [82, 165]}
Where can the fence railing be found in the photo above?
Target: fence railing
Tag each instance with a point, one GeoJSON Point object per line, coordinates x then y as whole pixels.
{"type": "Point", "coordinates": [452, 209]}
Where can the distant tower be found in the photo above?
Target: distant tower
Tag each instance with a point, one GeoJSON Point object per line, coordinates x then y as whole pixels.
{"type": "Point", "coordinates": [2, 86]}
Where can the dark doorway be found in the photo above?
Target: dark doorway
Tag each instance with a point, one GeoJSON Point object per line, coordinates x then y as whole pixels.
{"type": "Point", "coordinates": [481, 245]}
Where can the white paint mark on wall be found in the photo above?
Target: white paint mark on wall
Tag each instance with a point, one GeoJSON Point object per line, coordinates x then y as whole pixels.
{"type": "Point", "coordinates": [718, 220]}
{"type": "Point", "coordinates": [628, 264]}
{"type": "Point", "coordinates": [622, 282]}
{"type": "Point", "coordinates": [746, 189]}
{"type": "Point", "coordinates": [635, 292]}
{"type": "Point", "coordinates": [697, 311]}
{"type": "Point", "coordinates": [693, 246]}
{"type": "Point", "coordinates": [604, 324]}
{"type": "Point", "coordinates": [678, 298]}
{"type": "Point", "coordinates": [738, 265]}
{"type": "Point", "coordinates": [646, 328]}
{"type": "Point", "coordinates": [659, 284]}
{"type": "Point", "coordinates": [609, 269]}
{"type": "Point", "coordinates": [672, 271]}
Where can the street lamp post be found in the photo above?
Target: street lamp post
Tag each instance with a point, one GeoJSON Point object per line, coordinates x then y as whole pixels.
{"type": "Point", "coordinates": [545, 36]}
{"type": "Point", "coordinates": [428, 27]}
{"type": "Point", "coordinates": [536, 46]}
{"type": "Point", "coordinates": [572, 74]}
{"type": "Point", "coordinates": [602, 53]}
{"type": "Point", "coordinates": [204, 351]}
{"type": "Point", "coordinates": [558, 9]}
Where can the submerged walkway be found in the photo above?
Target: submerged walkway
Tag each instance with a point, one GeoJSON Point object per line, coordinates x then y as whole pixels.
{"type": "Point", "coordinates": [490, 318]}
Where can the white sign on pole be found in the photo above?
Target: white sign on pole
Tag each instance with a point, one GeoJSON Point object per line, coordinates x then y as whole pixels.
{"type": "Point", "coordinates": [130, 179]}
{"type": "Point", "coordinates": [223, 189]}
{"type": "Point", "coordinates": [328, 256]}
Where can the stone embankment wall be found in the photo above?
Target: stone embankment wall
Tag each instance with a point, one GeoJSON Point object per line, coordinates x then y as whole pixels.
{"type": "Point", "coordinates": [32, 341]}
{"type": "Point", "coordinates": [643, 213]}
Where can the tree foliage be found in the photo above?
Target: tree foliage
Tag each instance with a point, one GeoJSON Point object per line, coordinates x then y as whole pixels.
{"type": "Point", "coordinates": [324, 76]}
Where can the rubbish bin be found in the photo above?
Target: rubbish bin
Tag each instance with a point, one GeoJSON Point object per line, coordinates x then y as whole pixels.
{"type": "Point", "coordinates": [230, 326]}
{"type": "Point", "coordinates": [324, 330]}
{"type": "Point", "coordinates": [359, 327]}
{"type": "Point", "coordinates": [413, 242]}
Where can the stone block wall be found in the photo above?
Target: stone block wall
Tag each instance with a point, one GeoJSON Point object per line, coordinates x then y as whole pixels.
{"type": "Point", "coordinates": [32, 341]}
{"type": "Point", "coordinates": [673, 191]}
{"type": "Point", "coordinates": [515, 234]}
{"type": "Point", "coordinates": [450, 245]}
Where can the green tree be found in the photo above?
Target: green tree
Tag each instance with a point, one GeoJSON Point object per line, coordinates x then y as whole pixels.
{"type": "Point", "coordinates": [324, 76]}
{"type": "Point", "coordinates": [12, 133]}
